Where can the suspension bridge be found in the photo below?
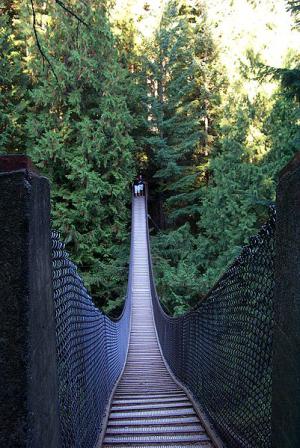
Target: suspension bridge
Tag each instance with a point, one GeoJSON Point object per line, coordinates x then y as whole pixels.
{"type": "Point", "coordinates": [148, 406]}
{"type": "Point", "coordinates": [226, 374]}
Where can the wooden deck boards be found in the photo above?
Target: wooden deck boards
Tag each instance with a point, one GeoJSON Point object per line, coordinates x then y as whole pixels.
{"type": "Point", "coordinates": [148, 408]}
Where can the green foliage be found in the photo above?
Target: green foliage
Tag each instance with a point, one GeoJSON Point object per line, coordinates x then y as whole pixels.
{"type": "Point", "coordinates": [13, 83]}
{"type": "Point", "coordinates": [78, 135]}
{"type": "Point", "coordinates": [64, 99]}
{"type": "Point", "coordinates": [294, 7]}
{"type": "Point", "coordinates": [176, 269]}
{"type": "Point", "coordinates": [256, 137]}
{"type": "Point", "coordinates": [184, 99]}
{"type": "Point", "coordinates": [244, 176]}
{"type": "Point", "coordinates": [131, 57]}
{"type": "Point", "coordinates": [91, 103]}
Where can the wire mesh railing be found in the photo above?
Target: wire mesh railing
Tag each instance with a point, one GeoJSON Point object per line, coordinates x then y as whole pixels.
{"type": "Point", "coordinates": [91, 352]}
{"type": "Point", "coordinates": [222, 349]}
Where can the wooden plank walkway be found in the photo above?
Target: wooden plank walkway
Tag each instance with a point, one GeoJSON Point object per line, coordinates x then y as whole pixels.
{"type": "Point", "coordinates": [148, 408]}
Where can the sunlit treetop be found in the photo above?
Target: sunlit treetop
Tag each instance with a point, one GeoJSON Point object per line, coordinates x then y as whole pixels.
{"type": "Point", "coordinates": [266, 27]}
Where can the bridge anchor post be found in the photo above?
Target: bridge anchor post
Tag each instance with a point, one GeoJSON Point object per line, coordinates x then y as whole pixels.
{"type": "Point", "coordinates": [286, 347]}
{"type": "Point", "coordinates": [28, 387]}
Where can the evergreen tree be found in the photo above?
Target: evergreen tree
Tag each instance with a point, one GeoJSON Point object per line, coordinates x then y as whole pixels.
{"type": "Point", "coordinates": [290, 77]}
{"type": "Point", "coordinates": [132, 59]}
{"type": "Point", "coordinates": [87, 106]}
{"type": "Point", "coordinates": [258, 140]}
{"type": "Point", "coordinates": [13, 81]}
{"type": "Point", "coordinates": [255, 139]}
{"type": "Point", "coordinates": [78, 134]}
{"type": "Point", "coordinates": [294, 7]}
{"type": "Point", "coordinates": [186, 85]}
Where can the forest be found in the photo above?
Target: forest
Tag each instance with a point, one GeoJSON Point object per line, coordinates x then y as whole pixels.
{"type": "Point", "coordinates": [201, 97]}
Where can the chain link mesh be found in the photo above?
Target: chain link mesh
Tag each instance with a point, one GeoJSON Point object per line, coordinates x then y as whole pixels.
{"type": "Point", "coordinates": [222, 350]}
{"type": "Point", "coordinates": [91, 351]}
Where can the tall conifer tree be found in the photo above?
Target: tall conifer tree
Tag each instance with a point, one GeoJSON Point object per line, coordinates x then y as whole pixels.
{"type": "Point", "coordinates": [14, 82]}
{"type": "Point", "coordinates": [78, 134]}
{"type": "Point", "coordinates": [132, 59]}
{"type": "Point", "coordinates": [186, 84]}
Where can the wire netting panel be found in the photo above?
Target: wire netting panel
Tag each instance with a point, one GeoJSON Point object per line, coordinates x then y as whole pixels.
{"type": "Point", "coordinates": [91, 351]}
{"type": "Point", "coordinates": [222, 350]}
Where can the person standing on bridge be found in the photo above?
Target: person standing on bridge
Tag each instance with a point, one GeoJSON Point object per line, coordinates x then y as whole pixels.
{"type": "Point", "coordinates": [136, 186]}
{"type": "Point", "coordinates": [141, 186]}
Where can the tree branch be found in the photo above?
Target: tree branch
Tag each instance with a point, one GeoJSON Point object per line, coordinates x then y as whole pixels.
{"type": "Point", "coordinates": [44, 56]}
{"type": "Point", "coordinates": [69, 11]}
{"type": "Point", "coordinates": [294, 7]}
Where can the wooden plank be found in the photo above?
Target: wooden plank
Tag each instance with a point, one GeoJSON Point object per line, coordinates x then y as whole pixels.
{"type": "Point", "coordinates": [149, 408]}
